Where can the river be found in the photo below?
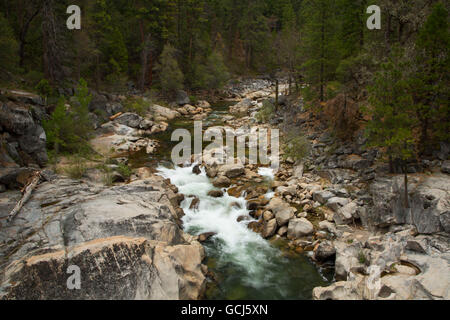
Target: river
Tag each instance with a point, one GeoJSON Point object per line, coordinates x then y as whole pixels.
{"type": "Point", "coordinates": [245, 265]}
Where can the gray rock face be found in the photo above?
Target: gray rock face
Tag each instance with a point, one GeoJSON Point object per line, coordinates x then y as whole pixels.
{"type": "Point", "coordinates": [335, 203]}
{"type": "Point", "coordinates": [232, 170]}
{"type": "Point", "coordinates": [322, 196]}
{"type": "Point", "coordinates": [242, 107]}
{"type": "Point", "coordinates": [346, 214]}
{"type": "Point", "coordinates": [182, 98]}
{"type": "Point", "coordinates": [445, 168]}
{"type": "Point", "coordinates": [98, 102]}
{"type": "Point", "coordinates": [15, 119]}
{"type": "Point", "coordinates": [115, 268]}
{"type": "Point", "coordinates": [325, 251]}
{"type": "Point", "coordinates": [409, 274]}
{"type": "Point", "coordinates": [126, 238]}
{"type": "Point", "coordinates": [283, 211]}
{"type": "Point", "coordinates": [429, 202]}
{"type": "Point", "coordinates": [26, 136]}
{"type": "Point", "coordinates": [298, 228]}
{"type": "Point", "coordinates": [131, 120]}
{"type": "Point", "coordinates": [269, 228]}
{"type": "Point", "coordinates": [164, 112]}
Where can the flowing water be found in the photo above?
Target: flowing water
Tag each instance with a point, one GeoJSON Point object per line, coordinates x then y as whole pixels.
{"type": "Point", "coordinates": [245, 265]}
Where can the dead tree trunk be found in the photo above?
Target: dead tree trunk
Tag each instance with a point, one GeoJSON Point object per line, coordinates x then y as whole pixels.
{"type": "Point", "coordinates": [52, 52]}
{"type": "Point", "coordinates": [405, 172]}
{"type": "Point", "coordinates": [27, 191]}
{"type": "Point", "coordinates": [144, 61]}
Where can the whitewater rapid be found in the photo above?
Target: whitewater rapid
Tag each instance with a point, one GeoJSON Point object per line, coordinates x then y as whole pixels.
{"type": "Point", "coordinates": [235, 242]}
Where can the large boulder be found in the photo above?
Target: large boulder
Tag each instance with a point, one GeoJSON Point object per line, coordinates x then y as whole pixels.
{"type": "Point", "coordinates": [269, 228]}
{"type": "Point", "coordinates": [322, 196]}
{"type": "Point", "coordinates": [16, 119]}
{"type": "Point", "coordinates": [445, 168]}
{"type": "Point", "coordinates": [299, 228]}
{"type": "Point", "coordinates": [405, 275]}
{"type": "Point", "coordinates": [233, 170]}
{"type": "Point", "coordinates": [26, 137]}
{"type": "Point", "coordinates": [283, 211]}
{"type": "Point", "coordinates": [242, 107]}
{"type": "Point", "coordinates": [335, 203]}
{"type": "Point", "coordinates": [126, 240]}
{"type": "Point", "coordinates": [222, 182]}
{"type": "Point", "coordinates": [98, 102]}
{"type": "Point", "coordinates": [169, 114]}
{"type": "Point", "coordinates": [129, 119]}
{"type": "Point", "coordinates": [182, 98]}
{"type": "Point", "coordinates": [324, 252]}
{"type": "Point", "coordinates": [346, 214]}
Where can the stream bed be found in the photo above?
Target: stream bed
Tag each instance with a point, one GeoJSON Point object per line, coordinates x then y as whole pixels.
{"type": "Point", "coordinates": [245, 265]}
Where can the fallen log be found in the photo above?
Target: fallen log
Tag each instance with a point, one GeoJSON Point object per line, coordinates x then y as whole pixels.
{"type": "Point", "coordinates": [26, 191]}
{"type": "Point", "coordinates": [112, 118]}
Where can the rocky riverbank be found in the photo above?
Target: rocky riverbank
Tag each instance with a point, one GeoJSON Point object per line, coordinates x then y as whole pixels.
{"type": "Point", "coordinates": [339, 206]}
{"type": "Point", "coordinates": [342, 207]}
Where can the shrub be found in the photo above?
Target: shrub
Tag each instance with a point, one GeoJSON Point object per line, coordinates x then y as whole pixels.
{"type": "Point", "coordinates": [266, 111]}
{"type": "Point", "coordinates": [107, 178]}
{"type": "Point", "coordinates": [362, 258]}
{"type": "Point", "coordinates": [213, 74]}
{"type": "Point", "coordinates": [124, 170]}
{"type": "Point", "coordinates": [136, 105]}
{"type": "Point", "coordinates": [170, 74]}
{"type": "Point", "coordinates": [44, 89]}
{"type": "Point", "coordinates": [77, 170]}
{"type": "Point", "coordinates": [69, 131]}
{"type": "Point", "coordinates": [8, 45]}
{"type": "Point", "coordinates": [60, 130]}
{"type": "Point", "coordinates": [296, 145]}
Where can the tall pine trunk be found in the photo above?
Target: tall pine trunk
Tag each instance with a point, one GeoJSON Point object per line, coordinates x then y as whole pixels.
{"type": "Point", "coordinates": [322, 57]}
{"type": "Point", "coordinates": [52, 52]}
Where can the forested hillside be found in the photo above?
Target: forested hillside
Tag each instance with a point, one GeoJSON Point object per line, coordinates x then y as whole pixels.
{"type": "Point", "coordinates": [166, 45]}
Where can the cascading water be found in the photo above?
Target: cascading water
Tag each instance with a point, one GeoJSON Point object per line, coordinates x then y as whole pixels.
{"type": "Point", "coordinates": [248, 266]}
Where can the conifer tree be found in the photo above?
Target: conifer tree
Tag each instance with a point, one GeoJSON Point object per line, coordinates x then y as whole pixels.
{"type": "Point", "coordinates": [170, 74]}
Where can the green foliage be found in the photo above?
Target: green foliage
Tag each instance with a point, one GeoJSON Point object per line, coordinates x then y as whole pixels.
{"type": "Point", "coordinates": [107, 178]}
{"type": "Point", "coordinates": [8, 45]}
{"type": "Point", "coordinates": [69, 131]}
{"type": "Point", "coordinates": [136, 105]}
{"type": "Point", "coordinates": [295, 145]}
{"type": "Point", "coordinates": [44, 89]}
{"type": "Point", "coordinates": [429, 81]}
{"type": "Point", "coordinates": [124, 170]}
{"type": "Point", "coordinates": [60, 129]}
{"type": "Point", "coordinates": [109, 40]}
{"type": "Point", "coordinates": [320, 46]}
{"type": "Point", "coordinates": [362, 258]}
{"type": "Point", "coordinates": [171, 76]}
{"type": "Point", "coordinates": [81, 110]}
{"type": "Point", "coordinates": [77, 169]}
{"type": "Point", "coordinates": [266, 112]}
{"type": "Point", "coordinates": [213, 74]}
{"type": "Point", "coordinates": [391, 109]}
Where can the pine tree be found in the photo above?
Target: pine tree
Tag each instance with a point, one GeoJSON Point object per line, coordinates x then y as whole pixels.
{"type": "Point", "coordinates": [430, 79]}
{"type": "Point", "coordinates": [391, 113]}
{"type": "Point", "coordinates": [8, 45]}
{"type": "Point", "coordinates": [170, 74]}
{"type": "Point", "coordinates": [319, 44]}
{"type": "Point", "coordinates": [213, 74]}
